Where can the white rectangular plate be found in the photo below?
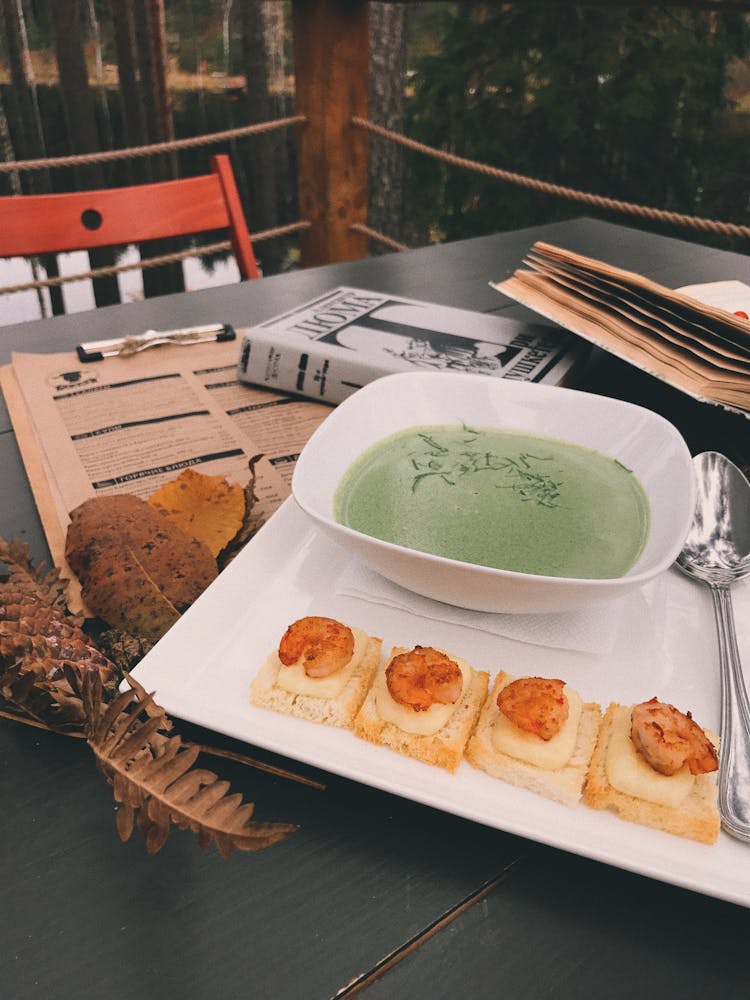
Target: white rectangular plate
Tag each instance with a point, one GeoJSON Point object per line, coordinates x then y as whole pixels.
{"type": "Point", "coordinates": [202, 669]}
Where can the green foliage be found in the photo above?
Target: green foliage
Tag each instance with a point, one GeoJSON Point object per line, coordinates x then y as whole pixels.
{"type": "Point", "coordinates": [624, 102]}
{"type": "Point", "coordinates": [195, 28]}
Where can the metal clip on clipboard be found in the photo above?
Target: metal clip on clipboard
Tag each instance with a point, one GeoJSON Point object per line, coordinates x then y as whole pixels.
{"type": "Point", "coordinates": [123, 347]}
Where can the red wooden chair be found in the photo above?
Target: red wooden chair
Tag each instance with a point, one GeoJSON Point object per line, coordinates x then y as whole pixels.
{"type": "Point", "coordinates": [58, 223]}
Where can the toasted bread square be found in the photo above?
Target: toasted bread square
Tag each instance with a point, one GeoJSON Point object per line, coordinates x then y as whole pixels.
{"type": "Point", "coordinates": [697, 817]}
{"type": "Point", "coordinates": [564, 785]}
{"type": "Point", "coordinates": [446, 747]}
{"type": "Point", "coordinates": [339, 711]}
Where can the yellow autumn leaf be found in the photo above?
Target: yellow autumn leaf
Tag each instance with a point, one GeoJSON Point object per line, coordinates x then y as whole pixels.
{"type": "Point", "coordinates": [206, 507]}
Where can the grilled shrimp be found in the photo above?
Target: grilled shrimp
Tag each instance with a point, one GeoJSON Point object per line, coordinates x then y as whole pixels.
{"type": "Point", "coordinates": [535, 704]}
{"type": "Point", "coordinates": [323, 644]}
{"type": "Point", "coordinates": [422, 677]}
{"type": "Point", "coordinates": [668, 738]}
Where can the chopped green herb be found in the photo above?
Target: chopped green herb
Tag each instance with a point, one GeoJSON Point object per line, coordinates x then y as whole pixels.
{"type": "Point", "coordinates": [519, 473]}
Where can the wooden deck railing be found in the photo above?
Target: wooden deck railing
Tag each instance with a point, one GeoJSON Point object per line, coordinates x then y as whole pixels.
{"type": "Point", "coordinates": [331, 67]}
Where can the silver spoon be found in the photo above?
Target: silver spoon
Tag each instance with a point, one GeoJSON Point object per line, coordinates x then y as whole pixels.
{"type": "Point", "coordinates": [717, 551]}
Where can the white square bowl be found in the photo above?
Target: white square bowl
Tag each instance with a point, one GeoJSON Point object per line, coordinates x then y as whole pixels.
{"type": "Point", "coordinates": [641, 440]}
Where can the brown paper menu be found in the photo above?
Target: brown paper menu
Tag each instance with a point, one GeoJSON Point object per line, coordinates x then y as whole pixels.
{"type": "Point", "coordinates": [131, 424]}
{"type": "Point", "coordinates": [697, 347]}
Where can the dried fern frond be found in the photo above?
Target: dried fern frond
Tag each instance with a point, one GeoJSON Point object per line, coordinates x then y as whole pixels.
{"type": "Point", "coordinates": [151, 772]}
{"type": "Point", "coordinates": [27, 687]}
{"type": "Point", "coordinates": [54, 674]}
{"type": "Point", "coordinates": [29, 579]}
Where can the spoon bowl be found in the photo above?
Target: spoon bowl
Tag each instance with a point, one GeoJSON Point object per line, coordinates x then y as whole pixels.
{"type": "Point", "coordinates": [716, 551]}
{"type": "Point", "coordinates": [717, 547]}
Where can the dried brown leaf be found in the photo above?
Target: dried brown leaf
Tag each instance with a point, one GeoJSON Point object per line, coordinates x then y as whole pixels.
{"type": "Point", "coordinates": [126, 597]}
{"type": "Point", "coordinates": [251, 521]}
{"type": "Point", "coordinates": [151, 773]}
{"type": "Point", "coordinates": [138, 570]}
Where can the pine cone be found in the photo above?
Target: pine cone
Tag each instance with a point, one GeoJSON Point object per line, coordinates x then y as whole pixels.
{"type": "Point", "coordinates": [123, 649]}
{"type": "Point", "coordinates": [36, 634]}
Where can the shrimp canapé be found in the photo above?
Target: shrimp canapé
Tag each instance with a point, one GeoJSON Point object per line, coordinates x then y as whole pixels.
{"type": "Point", "coordinates": [322, 644]}
{"type": "Point", "coordinates": [667, 739]}
{"type": "Point", "coordinates": [535, 704]}
{"type": "Point", "coordinates": [422, 677]}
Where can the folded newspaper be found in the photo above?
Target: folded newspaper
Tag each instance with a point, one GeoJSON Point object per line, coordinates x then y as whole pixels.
{"type": "Point", "coordinates": [328, 348]}
{"type": "Point", "coordinates": [696, 339]}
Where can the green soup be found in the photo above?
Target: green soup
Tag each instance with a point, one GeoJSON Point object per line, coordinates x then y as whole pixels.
{"type": "Point", "coordinates": [498, 498]}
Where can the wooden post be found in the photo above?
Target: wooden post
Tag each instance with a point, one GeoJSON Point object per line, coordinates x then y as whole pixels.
{"type": "Point", "coordinates": [331, 66]}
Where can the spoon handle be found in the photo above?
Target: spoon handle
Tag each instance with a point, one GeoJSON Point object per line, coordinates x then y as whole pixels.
{"type": "Point", "coordinates": [734, 758]}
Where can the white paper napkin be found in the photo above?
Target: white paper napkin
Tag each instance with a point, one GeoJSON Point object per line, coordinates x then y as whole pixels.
{"type": "Point", "coordinates": [594, 629]}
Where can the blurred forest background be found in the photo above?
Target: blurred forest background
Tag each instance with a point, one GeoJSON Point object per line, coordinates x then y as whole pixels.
{"type": "Point", "coordinates": [644, 102]}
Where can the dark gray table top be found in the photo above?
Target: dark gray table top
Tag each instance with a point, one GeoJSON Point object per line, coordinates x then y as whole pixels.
{"type": "Point", "coordinates": [373, 893]}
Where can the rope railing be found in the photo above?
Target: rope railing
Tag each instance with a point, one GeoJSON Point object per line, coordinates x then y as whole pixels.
{"type": "Point", "coordinates": [373, 234]}
{"type": "Point", "coordinates": [545, 187]}
{"type": "Point", "coordinates": [559, 190]}
{"type": "Point", "coordinates": [131, 152]}
{"type": "Point", "coordinates": [140, 265]}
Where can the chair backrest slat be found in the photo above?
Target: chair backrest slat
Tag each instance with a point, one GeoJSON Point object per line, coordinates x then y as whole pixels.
{"type": "Point", "coordinates": [58, 223]}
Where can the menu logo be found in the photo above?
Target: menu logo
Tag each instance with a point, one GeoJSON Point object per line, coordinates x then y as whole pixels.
{"type": "Point", "coordinates": [71, 380]}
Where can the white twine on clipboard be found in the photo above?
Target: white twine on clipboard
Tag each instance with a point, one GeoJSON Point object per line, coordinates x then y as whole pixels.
{"type": "Point", "coordinates": [127, 346]}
